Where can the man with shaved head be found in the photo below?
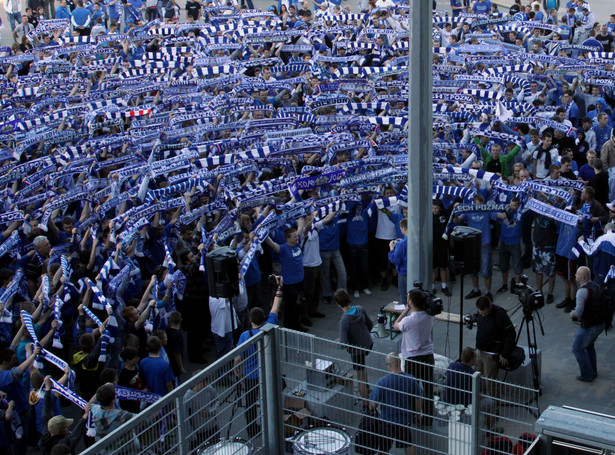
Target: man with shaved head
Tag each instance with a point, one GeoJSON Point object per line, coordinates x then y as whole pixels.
{"type": "Point", "coordinates": [591, 325]}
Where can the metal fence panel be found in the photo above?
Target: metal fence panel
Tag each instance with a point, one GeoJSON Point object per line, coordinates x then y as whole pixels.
{"type": "Point", "coordinates": [509, 417]}
{"type": "Point", "coordinates": [217, 409]}
{"type": "Point", "coordinates": [312, 395]}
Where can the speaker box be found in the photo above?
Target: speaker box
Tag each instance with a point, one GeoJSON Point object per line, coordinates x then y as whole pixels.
{"type": "Point", "coordinates": [465, 246]}
{"type": "Point", "coordinates": [222, 273]}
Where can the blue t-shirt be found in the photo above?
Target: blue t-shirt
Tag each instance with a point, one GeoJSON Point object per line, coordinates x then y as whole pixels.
{"type": "Point", "coordinates": [511, 230]}
{"type": "Point", "coordinates": [356, 226]}
{"type": "Point", "coordinates": [330, 235]}
{"type": "Point", "coordinates": [458, 388]}
{"type": "Point", "coordinates": [14, 389]}
{"type": "Point", "coordinates": [291, 258]}
{"type": "Point", "coordinates": [481, 221]}
{"type": "Point", "coordinates": [456, 3]}
{"type": "Point", "coordinates": [250, 366]}
{"type": "Point", "coordinates": [482, 7]}
{"type": "Point", "coordinates": [586, 172]}
{"type": "Point", "coordinates": [396, 393]}
{"type": "Point", "coordinates": [156, 373]}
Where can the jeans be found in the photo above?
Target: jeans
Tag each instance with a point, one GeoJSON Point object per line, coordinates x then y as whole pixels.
{"type": "Point", "coordinates": [14, 20]}
{"type": "Point", "coordinates": [334, 257]}
{"type": "Point", "coordinates": [584, 350]}
{"type": "Point", "coordinates": [486, 267]}
{"type": "Point", "coordinates": [223, 344]}
{"type": "Point", "coordinates": [358, 276]}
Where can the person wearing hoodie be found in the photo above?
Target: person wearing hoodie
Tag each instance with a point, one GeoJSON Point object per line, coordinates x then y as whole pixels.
{"type": "Point", "coordinates": [105, 414]}
{"type": "Point", "coordinates": [355, 328]}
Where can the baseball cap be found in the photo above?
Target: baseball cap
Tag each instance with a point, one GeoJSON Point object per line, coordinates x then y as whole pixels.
{"type": "Point", "coordinates": [58, 423]}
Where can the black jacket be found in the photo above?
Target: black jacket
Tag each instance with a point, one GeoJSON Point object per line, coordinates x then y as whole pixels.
{"type": "Point", "coordinates": [496, 332]}
{"type": "Point", "coordinates": [47, 442]}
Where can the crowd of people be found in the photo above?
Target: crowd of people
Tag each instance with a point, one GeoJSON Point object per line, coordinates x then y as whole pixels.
{"type": "Point", "coordinates": [133, 147]}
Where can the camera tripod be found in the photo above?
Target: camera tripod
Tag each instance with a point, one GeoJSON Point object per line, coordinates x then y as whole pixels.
{"type": "Point", "coordinates": [532, 345]}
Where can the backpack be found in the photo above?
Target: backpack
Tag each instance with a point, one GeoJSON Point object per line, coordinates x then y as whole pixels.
{"type": "Point", "coordinates": [602, 302]}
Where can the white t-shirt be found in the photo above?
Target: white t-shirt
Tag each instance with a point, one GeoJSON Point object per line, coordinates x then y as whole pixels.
{"type": "Point", "coordinates": [541, 172]}
{"type": "Point", "coordinates": [386, 228]}
{"type": "Point", "coordinates": [416, 334]}
{"type": "Point", "coordinates": [311, 250]}
{"type": "Point", "coordinates": [220, 311]}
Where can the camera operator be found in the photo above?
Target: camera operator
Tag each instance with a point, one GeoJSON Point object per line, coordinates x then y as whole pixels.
{"type": "Point", "coordinates": [591, 326]}
{"type": "Point", "coordinates": [417, 344]}
{"type": "Point", "coordinates": [495, 338]}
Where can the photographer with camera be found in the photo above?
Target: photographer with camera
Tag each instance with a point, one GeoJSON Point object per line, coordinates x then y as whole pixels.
{"type": "Point", "coordinates": [417, 344]}
{"type": "Point", "coordinates": [250, 359]}
{"type": "Point", "coordinates": [495, 338]}
{"type": "Point", "coordinates": [588, 299]}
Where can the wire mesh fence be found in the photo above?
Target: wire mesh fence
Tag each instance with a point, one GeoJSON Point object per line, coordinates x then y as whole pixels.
{"type": "Point", "coordinates": [509, 417]}
{"type": "Point", "coordinates": [288, 391]}
{"type": "Point", "coordinates": [215, 411]}
{"type": "Point", "coordinates": [329, 388]}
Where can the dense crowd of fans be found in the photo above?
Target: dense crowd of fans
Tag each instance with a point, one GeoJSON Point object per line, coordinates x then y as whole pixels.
{"type": "Point", "coordinates": [135, 144]}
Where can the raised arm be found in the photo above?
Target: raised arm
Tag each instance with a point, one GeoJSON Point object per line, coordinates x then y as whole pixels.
{"type": "Point", "coordinates": [274, 246]}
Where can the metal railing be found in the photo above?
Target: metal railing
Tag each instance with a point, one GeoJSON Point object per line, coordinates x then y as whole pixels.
{"type": "Point", "coordinates": [306, 398]}
{"type": "Point", "coordinates": [218, 403]}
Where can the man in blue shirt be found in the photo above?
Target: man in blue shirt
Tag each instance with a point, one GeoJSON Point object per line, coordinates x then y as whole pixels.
{"type": "Point", "coordinates": [481, 221]}
{"type": "Point", "coordinates": [482, 7]}
{"type": "Point", "coordinates": [156, 372]}
{"type": "Point", "coordinates": [510, 243]}
{"type": "Point", "coordinates": [250, 358]}
{"type": "Point", "coordinates": [458, 386]}
{"type": "Point", "coordinates": [400, 398]}
{"type": "Point", "coordinates": [587, 172]}
{"type": "Point", "coordinates": [291, 258]}
{"type": "Point", "coordinates": [572, 110]}
{"type": "Point", "coordinates": [81, 20]}
{"type": "Point", "coordinates": [330, 254]}
{"type": "Point", "coordinates": [11, 383]}
{"type": "Point", "coordinates": [611, 24]}
{"type": "Point", "coordinates": [457, 7]}
{"type": "Point", "coordinates": [602, 130]}
{"type": "Point", "coordinates": [62, 11]}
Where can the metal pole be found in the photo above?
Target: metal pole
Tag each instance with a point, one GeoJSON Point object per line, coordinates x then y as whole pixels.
{"type": "Point", "coordinates": [476, 384]}
{"type": "Point", "coordinates": [420, 156]}
{"type": "Point", "coordinates": [182, 418]}
{"type": "Point", "coordinates": [271, 404]}
{"type": "Point", "coordinates": [461, 315]}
